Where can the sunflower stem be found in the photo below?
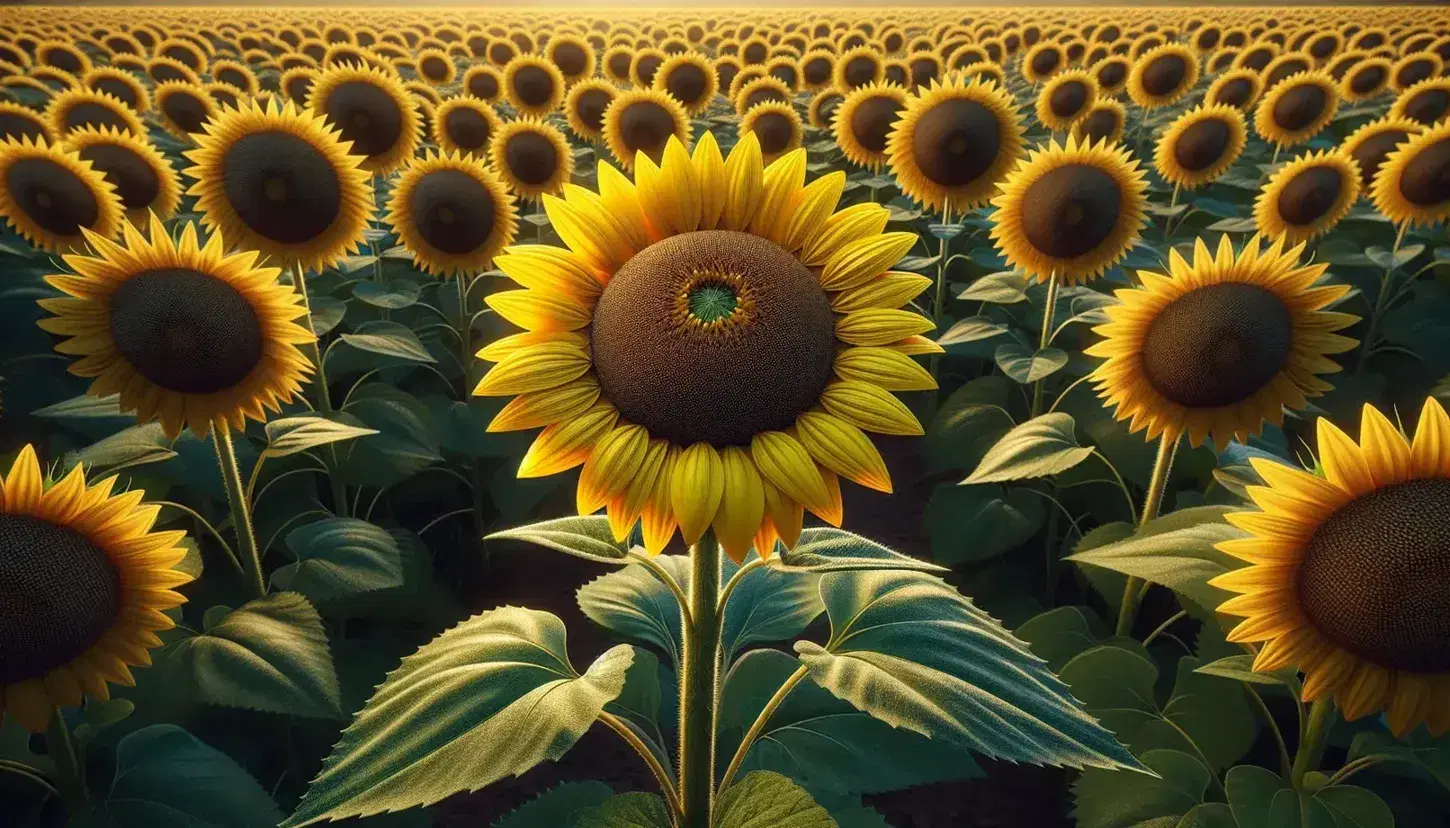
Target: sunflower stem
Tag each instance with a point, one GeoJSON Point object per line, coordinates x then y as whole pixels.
{"type": "Point", "coordinates": [1381, 302]}
{"type": "Point", "coordinates": [324, 398]}
{"type": "Point", "coordinates": [1312, 741]}
{"type": "Point", "coordinates": [699, 684]}
{"type": "Point", "coordinates": [1134, 589]}
{"type": "Point", "coordinates": [241, 515]}
{"type": "Point", "coordinates": [70, 772]}
{"type": "Point", "coordinates": [1168, 219]}
{"type": "Point", "coordinates": [1044, 339]}
{"type": "Point", "coordinates": [938, 305]}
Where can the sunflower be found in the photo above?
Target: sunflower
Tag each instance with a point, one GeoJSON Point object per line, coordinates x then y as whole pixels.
{"type": "Point", "coordinates": [120, 85]}
{"type": "Point", "coordinates": [1064, 98]}
{"type": "Point", "coordinates": [53, 79]}
{"type": "Point", "coordinates": [644, 65]}
{"type": "Point", "coordinates": [163, 70]}
{"type": "Point", "coordinates": [533, 157]}
{"type": "Point", "coordinates": [1215, 348]}
{"type": "Point", "coordinates": [1162, 75]}
{"type": "Point", "coordinates": [1366, 79]}
{"type": "Point", "coordinates": [1111, 74]}
{"type": "Point", "coordinates": [1372, 143]}
{"type": "Point", "coordinates": [1224, 61]}
{"type": "Point", "coordinates": [1340, 66]}
{"type": "Point", "coordinates": [373, 111]}
{"type": "Point", "coordinates": [280, 180]}
{"type": "Point", "coordinates": [857, 68]}
{"type": "Point", "coordinates": [985, 71]}
{"type": "Point", "coordinates": [185, 108]}
{"type": "Point", "coordinates": [585, 104]}
{"type": "Point", "coordinates": [1042, 62]}
{"type": "Point", "coordinates": [1297, 109]}
{"type": "Point", "coordinates": [642, 121]}
{"type": "Point", "coordinates": [533, 86]}
{"type": "Point", "coordinates": [1070, 211]}
{"type": "Point", "coordinates": [688, 78]}
{"type": "Point", "coordinates": [616, 63]}
{"type": "Point", "coordinates": [754, 50]}
{"type": "Point", "coordinates": [954, 143]}
{"type": "Point", "coordinates": [1201, 145]}
{"type": "Point", "coordinates": [1257, 57]}
{"type": "Point", "coordinates": [1307, 196]}
{"type": "Point", "coordinates": [452, 213]}
{"type": "Point", "coordinates": [297, 83]}
{"type": "Point", "coordinates": [1414, 68]}
{"type": "Point", "coordinates": [187, 334]}
{"type": "Point", "coordinates": [59, 54]}
{"type": "Point", "coordinates": [759, 91]}
{"type": "Point", "coordinates": [1285, 66]}
{"type": "Point", "coordinates": [573, 56]}
{"type": "Point", "coordinates": [1238, 88]}
{"type": "Point", "coordinates": [51, 197]}
{"type": "Point", "coordinates": [817, 67]}
{"type": "Point", "coordinates": [182, 51]}
{"type": "Point", "coordinates": [436, 67]}
{"type": "Point", "coordinates": [143, 179]}
{"type": "Point", "coordinates": [1427, 102]}
{"type": "Point", "coordinates": [1337, 586]}
{"type": "Point", "coordinates": [864, 121]}
{"type": "Point", "coordinates": [776, 126]}
{"type": "Point", "coordinates": [86, 587]}
{"type": "Point", "coordinates": [771, 338]}
{"type": "Point", "coordinates": [1413, 184]}
{"type": "Point", "coordinates": [18, 121]}
{"type": "Point", "coordinates": [1103, 122]}
{"type": "Point", "coordinates": [821, 112]}
{"type": "Point", "coordinates": [236, 75]}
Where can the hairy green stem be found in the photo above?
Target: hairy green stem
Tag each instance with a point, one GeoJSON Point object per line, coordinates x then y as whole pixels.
{"type": "Point", "coordinates": [1134, 588]}
{"type": "Point", "coordinates": [1381, 303]}
{"type": "Point", "coordinates": [70, 772]}
{"type": "Point", "coordinates": [1312, 741]}
{"type": "Point", "coordinates": [241, 513]}
{"type": "Point", "coordinates": [699, 670]}
{"type": "Point", "coordinates": [1044, 339]}
{"type": "Point", "coordinates": [662, 776]}
{"type": "Point", "coordinates": [324, 397]}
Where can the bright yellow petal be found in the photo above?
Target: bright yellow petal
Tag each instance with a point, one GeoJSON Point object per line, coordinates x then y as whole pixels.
{"type": "Point", "coordinates": [869, 407]}
{"type": "Point", "coordinates": [563, 446]}
{"type": "Point", "coordinates": [1430, 452]}
{"type": "Point", "coordinates": [535, 310]}
{"type": "Point", "coordinates": [807, 216]}
{"type": "Point", "coordinates": [696, 487]}
{"type": "Point", "coordinates": [863, 260]}
{"type": "Point", "coordinates": [889, 290]}
{"type": "Point", "coordinates": [880, 326]}
{"type": "Point", "coordinates": [744, 171]}
{"type": "Point", "coordinates": [786, 464]}
{"type": "Point", "coordinates": [891, 370]}
{"type": "Point", "coordinates": [547, 365]}
{"type": "Point", "coordinates": [742, 503]}
{"type": "Point", "coordinates": [549, 269]}
{"type": "Point", "coordinates": [1384, 448]}
{"type": "Point", "coordinates": [610, 467]}
{"type": "Point", "coordinates": [844, 449]}
{"type": "Point", "coordinates": [710, 172]}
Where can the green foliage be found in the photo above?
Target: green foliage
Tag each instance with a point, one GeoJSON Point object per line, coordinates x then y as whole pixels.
{"type": "Point", "coordinates": [563, 805]}
{"type": "Point", "coordinates": [340, 558]}
{"type": "Point", "coordinates": [769, 800]}
{"type": "Point", "coordinates": [1039, 447]}
{"type": "Point", "coordinates": [588, 537]}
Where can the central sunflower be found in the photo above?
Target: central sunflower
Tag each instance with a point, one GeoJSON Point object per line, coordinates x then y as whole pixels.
{"type": "Point", "coordinates": [712, 347]}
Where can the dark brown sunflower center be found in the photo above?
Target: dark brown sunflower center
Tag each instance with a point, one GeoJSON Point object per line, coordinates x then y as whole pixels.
{"type": "Point", "coordinates": [1207, 39]}
{"type": "Point", "coordinates": [775, 132]}
{"type": "Point", "coordinates": [1367, 80]}
{"type": "Point", "coordinates": [765, 359]}
{"type": "Point", "coordinates": [1071, 210]}
{"type": "Point", "coordinates": [135, 180]}
{"type": "Point", "coordinates": [785, 73]}
{"type": "Point", "coordinates": [17, 126]}
{"type": "Point", "coordinates": [366, 115]}
{"type": "Point", "coordinates": [923, 71]}
{"type": "Point", "coordinates": [725, 75]}
{"type": "Point", "coordinates": [434, 67]}
{"type": "Point", "coordinates": [1425, 181]}
{"type": "Point", "coordinates": [1045, 61]}
{"type": "Point", "coordinates": [1310, 195]}
{"type": "Point", "coordinates": [186, 331]}
{"type": "Point", "coordinates": [1414, 72]}
{"type": "Point", "coordinates": [1375, 578]}
{"type": "Point", "coordinates": [1068, 99]}
{"type": "Point", "coordinates": [1258, 59]}
{"type": "Point", "coordinates": [860, 70]}
{"type": "Point", "coordinates": [1217, 345]}
{"type": "Point", "coordinates": [299, 88]}
{"type": "Point", "coordinates": [1284, 70]}
{"type": "Point", "coordinates": [533, 85]}
{"type": "Point", "coordinates": [233, 78]}
{"type": "Point", "coordinates": [483, 85]}
{"type": "Point", "coordinates": [686, 83]}
{"type": "Point", "coordinates": [52, 196]}
{"type": "Point", "coordinates": [646, 126]}
{"type": "Point", "coordinates": [1323, 47]}
{"type": "Point", "coordinates": [590, 106]}
{"type": "Point", "coordinates": [63, 59]}
{"type": "Point", "coordinates": [1299, 107]}
{"type": "Point", "coordinates": [1428, 105]}
{"type": "Point", "coordinates": [619, 64]}
{"type": "Point", "coordinates": [452, 211]}
{"type": "Point", "coordinates": [186, 110]}
{"type": "Point", "coordinates": [871, 121]}
{"type": "Point", "coordinates": [1112, 74]}
{"type": "Point", "coordinates": [755, 53]}
{"type": "Point", "coordinates": [162, 73]}
{"type": "Point", "coordinates": [817, 70]}
{"type": "Point", "coordinates": [88, 113]}
{"type": "Point", "coordinates": [1372, 151]}
{"type": "Point", "coordinates": [955, 142]}
{"type": "Point", "coordinates": [466, 128]}
{"type": "Point", "coordinates": [762, 95]}
{"type": "Point", "coordinates": [646, 68]}
{"type": "Point", "coordinates": [281, 187]}
{"type": "Point", "coordinates": [531, 157]}
{"type": "Point", "coordinates": [570, 59]}
{"type": "Point", "coordinates": [1234, 93]}
{"type": "Point", "coordinates": [1164, 75]}
{"type": "Point", "coordinates": [58, 595]}
{"type": "Point", "coordinates": [1100, 124]}
{"type": "Point", "coordinates": [1202, 145]}
{"type": "Point", "coordinates": [120, 90]}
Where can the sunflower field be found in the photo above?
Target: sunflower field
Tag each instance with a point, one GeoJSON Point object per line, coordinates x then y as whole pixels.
{"type": "Point", "coordinates": [964, 417]}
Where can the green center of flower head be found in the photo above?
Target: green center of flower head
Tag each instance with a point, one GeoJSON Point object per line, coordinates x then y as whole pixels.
{"type": "Point", "coordinates": [711, 302]}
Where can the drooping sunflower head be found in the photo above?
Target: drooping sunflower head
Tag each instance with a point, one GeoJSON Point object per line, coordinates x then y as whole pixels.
{"type": "Point", "coordinates": [1414, 68]}
{"type": "Point", "coordinates": [144, 181]}
{"type": "Point", "coordinates": [1201, 145]}
{"type": "Point", "coordinates": [641, 121]}
{"type": "Point", "coordinates": [1162, 75]}
{"type": "Point", "coordinates": [1216, 347]}
{"type": "Point", "coordinates": [1065, 98]}
{"type": "Point", "coordinates": [821, 111]}
{"type": "Point", "coordinates": [1413, 184]}
{"type": "Point", "coordinates": [452, 213]}
{"type": "Point", "coordinates": [20, 122]}
{"type": "Point", "coordinates": [120, 85]}
{"type": "Point", "coordinates": [953, 144]}
{"type": "Point", "coordinates": [183, 50]}
{"type": "Point", "coordinates": [235, 74]}
{"type": "Point", "coordinates": [1071, 210]}
{"type": "Point", "coordinates": [1238, 88]}
{"type": "Point", "coordinates": [187, 334]}
{"type": "Point", "coordinates": [1427, 102]}
{"type": "Point", "coordinates": [1297, 109]}
{"type": "Point", "coordinates": [1102, 123]}
{"type": "Point", "coordinates": [1308, 196]}
{"type": "Point", "coordinates": [585, 104]}
{"type": "Point", "coordinates": [1372, 143]}
{"type": "Point", "coordinates": [859, 67]}
{"type": "Point", "coordinates": [776, 126]}
{"type": "Point", "coordinates": [532, 156]}
{"type": "Point", "coordinates": [281, 181]}
{"type": "Point", "coordinates": [86, 583]}
{"type": "Point", "coordinates": [573, 56]}
{"type": "Point", "coordinates": [688, 78]}
{"type": "Point", "coordinates": [864, 121]}
{"type": "Point", "coordinates": [710, 347]}
{"type": "Point", "coordinates": [185, 108]}
{"type": "Point", "coordinates": [436, 67]}
{"type": "Point", "coordinates": [51, 196]}
{"type": "Point", "coordinates": [373, 111]}
{"type": "Point", "coordinates": [1223, 61]}
{"type": "Point", "coordinates": [533, 86]}
{"type": "Point", "coordinates": [1366, 79]}
{"type": "Point", "coordinates": [1348, 571]}
{"type": "Point", "coordinates": [1257, 56]}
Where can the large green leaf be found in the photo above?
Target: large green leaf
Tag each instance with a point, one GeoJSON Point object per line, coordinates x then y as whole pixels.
{"type": "Point", "coordinates": [971, 329]}
{"type": "Point", "coordinates": [768, 800]}
{"type": "Point", "coordinates": [290, 435]}
{"type": "Point", "coordinates": [1025, 365]}
{"type": "Point", "coordinates": [1418, 749]}
{"type": "Point", "coordinates": [1040, 447]}
{"type": "Point", "coordinates": [270, 654]}
{"type": "Point", "coordinates": [969, 423]}
{"type": "Point", "coordinates": [1113, 799]}
{"type": "Point", "coordinates": [634, 603]}
{"type": "Point", "coordinates": [136, 446]}
{"type": "Point", "coordinates": [827, 549]}
{"type": "Point", "coordinates": [969, 524]}
{"type": "Point", "coordinates": [586, 537]}
{"type": "Point", "coordinates": [1059, 634]}
{"type": "Point", "coordinates": [559, 806]}
{"type": "Point", "coordinates": [167, 778]}
{"type": "Point", "coordinates": [1261, 799]}
{"type": "Point", "coordinates": [490, 698]}
{"type": "Point", "coordinates": [1241, 668]}
{"type": "Point", "coordinates": [389, 339]}
{"type": "Point", "coordinates": [1178, 551]}
{"type": "Point", "coordinates": [631, 810]}
{"type": "Point", "coordinates": [1007, 287]}
{"type": "Point", "coordinates": [823, 742]}
{"type": "Point", "coordinates": [340, 557]}
{"type": "Point", "coordinates": [404, 445]}
{"type": "Point", "coordinates": [767, 605]}
{"type": "Point", "coordinates": [909, 650]}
